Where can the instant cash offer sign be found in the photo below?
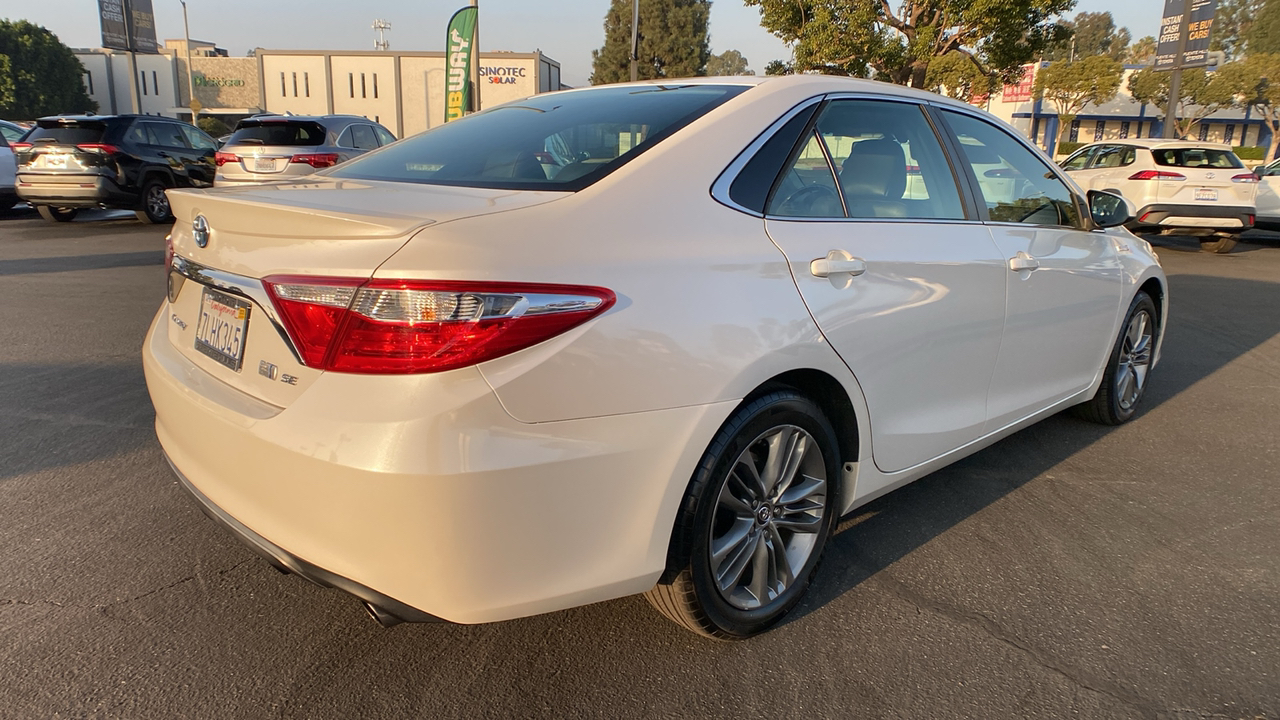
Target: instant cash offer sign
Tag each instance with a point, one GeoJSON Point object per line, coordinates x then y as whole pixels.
{"type": "Point", "coordinates": [125, 20]}
{"type": "Point", "coordinates": [1196, 51]}
{"type": "Point", "coordinates": [457, 63]}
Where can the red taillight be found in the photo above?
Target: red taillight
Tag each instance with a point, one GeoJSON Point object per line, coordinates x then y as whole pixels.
{"type": "Point", "coordinates": [99, 147]}
{"type": "Point", "coordinates": [411, 326]}
{"type": "Point", "coordinates": [222, 158]}
{"type": "Point", "coordinates": [1245, 178]}
{"type": "Point", "coordinates": [316, 160]}
{"type": "Point", "coordinates": [1157, 175]}
{"type": "Point", "coordinates": [1252, 218]}
{"type": "Point", "coordinates": [168, 252]}
{"type": "Point", "coordinates": [20, 146]}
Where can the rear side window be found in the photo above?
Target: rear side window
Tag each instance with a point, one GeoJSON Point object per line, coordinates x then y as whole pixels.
{"type": "Point", "coordinates": [278, 132]}
{"type": "Point", "coordinates": [54, 132]}
{"type": "Point", "coordinates": [1196, 157]}
{"type": "Point", "coordinates": [557, 141]}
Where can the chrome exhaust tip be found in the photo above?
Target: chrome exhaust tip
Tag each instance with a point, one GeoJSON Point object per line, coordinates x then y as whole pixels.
{"type": "Point", "coordinates": [380, 616]}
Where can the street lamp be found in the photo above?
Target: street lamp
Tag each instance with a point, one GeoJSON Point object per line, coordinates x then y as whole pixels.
{"type": "Point", "coordinates": [191, 85]}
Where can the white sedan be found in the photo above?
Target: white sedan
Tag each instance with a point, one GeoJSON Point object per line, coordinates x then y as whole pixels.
{"type": "Point", "coordinates": [651, 338]}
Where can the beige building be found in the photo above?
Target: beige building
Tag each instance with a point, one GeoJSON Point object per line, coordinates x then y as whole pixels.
{"type": "Point", "coordinates": [403, 91]}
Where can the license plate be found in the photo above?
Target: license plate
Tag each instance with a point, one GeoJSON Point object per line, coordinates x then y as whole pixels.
{"type": "Point", "coordinates": [55, 160]}
{"type": "Point", "coordinates": [1206, 194]}
{"type": "Point", "coordinates": [264, 164]}
{"type": "Point", "coordinates": [222, 327]}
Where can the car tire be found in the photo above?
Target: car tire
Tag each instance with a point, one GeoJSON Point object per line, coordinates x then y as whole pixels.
{"type": "Point", "coordinates": [1220, 244]}
{"type": "Point", "coordinates": [155, 204]}
{"type": "Point", "coordinates": [57, 214]}
{"type": "Point", "coordinates": [1128, 367]}
{"type": "Point", "coordinates": [742, 553]}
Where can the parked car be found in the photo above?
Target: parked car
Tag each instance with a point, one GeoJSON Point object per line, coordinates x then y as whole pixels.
{"type": "Point", "coordinates": [9, 133]}
{"type": "Point", "coordinates": [1268, 195]}
{"type": "Point", "coordinates": [281, 147]}
{"type": "Point", "coordinates": [633, 339]}
{"type": "Point", "coordinates": [70, 162]}
{"type": "Point", "coordinates": [1180, 187]}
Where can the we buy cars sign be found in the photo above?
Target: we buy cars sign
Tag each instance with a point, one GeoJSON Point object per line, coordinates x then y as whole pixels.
{"type": "Point", "coordinates": [1196, 51]}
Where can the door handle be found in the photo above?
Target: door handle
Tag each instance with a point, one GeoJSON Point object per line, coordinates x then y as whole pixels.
{"type": "Point", "coordinates": [163, 154]}
{"type": "Point", "coordinates": [837, 261]}
{"type": "Point", "coordinates": [1023, 261]}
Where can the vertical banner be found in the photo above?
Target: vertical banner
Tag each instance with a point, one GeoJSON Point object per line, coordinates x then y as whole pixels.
{"type": "Point", "coordinates": [457, 63]}
{"type": "Point", "coordinates": [1199, 27]}
{"type": "Point", "coordinates": [141, 25]}
{"type": "Point", "coordinates": [111, 16]}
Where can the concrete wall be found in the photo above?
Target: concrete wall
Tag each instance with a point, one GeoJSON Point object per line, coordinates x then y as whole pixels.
{"type": "Point", "coordinates": [366, 85]}
{"type": "Point", "coordinates": [294, 83]}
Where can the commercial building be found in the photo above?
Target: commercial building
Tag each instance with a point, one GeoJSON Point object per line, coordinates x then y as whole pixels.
{"type": "Point", "coordinates": [403, 91]}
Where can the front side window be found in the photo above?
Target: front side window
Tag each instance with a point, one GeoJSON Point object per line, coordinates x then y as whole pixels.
{"type": "Point", "coordinates": [384, 136]}
{"type": "Point", "coordinates": [198, 139]}
{"type": "Point", "coordinates": [362, 137]}
{"type": "Point", "coordinates": [882, 158]}
{"type": "Point", "coordinates": [1114, 156]}
{"type": "Point", "coordinates": [557, 141]}
{"type": "Point", "coordinates": [1079, 160]}
{"type": "Point", "coordinates": [1016, 186]}
{"type": "Point", "coordinates": [164, 134]}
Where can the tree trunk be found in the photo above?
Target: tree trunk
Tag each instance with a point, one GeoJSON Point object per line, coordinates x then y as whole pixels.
{"type": "Point", "coordinates": [918, 71]}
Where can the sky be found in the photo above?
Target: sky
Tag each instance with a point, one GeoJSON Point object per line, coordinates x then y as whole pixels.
{"type": "Point", "coordinates": [564, 30]}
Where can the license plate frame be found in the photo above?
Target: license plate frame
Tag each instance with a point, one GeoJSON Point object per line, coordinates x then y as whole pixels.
{"type": "Point", "coordinates": [264, 164]}
{"type": "Point", "coordinates": [1206, 194]}
{"type": "Point", "coordinates": [55, 160]}
{"type": "Point", "coordinates": [222, 327]}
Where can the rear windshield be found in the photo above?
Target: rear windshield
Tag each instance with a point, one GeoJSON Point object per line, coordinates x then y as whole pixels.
{"type": "Point", "coordinates": [1196, 157]}
{"type": "Point", "coordinates": [278, 132]}
{"type": "Point", "coordinates": [558, 141]}
{"type": "Point", "coordinates": [62, 133]}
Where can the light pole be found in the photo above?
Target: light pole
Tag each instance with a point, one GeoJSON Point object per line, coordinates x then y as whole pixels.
{"type": "Point", "coordinates": [191, 83]}
{"type": "Point", "coordinates": [635, 36]}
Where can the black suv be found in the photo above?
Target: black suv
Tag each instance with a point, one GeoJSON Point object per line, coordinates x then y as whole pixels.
{"type": "Point", "coordinates": [114, 161]}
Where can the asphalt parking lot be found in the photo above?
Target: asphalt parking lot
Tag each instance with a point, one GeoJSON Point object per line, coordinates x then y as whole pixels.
{"type": "Point", "coordinates": [1071, 570]}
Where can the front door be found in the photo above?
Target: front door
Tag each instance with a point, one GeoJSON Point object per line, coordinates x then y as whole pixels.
{"type": "Point", "coordinates": [1064, 280]}
{"type": "Point", "coordinates": [906, 288]}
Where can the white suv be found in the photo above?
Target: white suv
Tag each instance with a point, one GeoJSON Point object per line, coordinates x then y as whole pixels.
{"type": "Point", "coordinates": [1179, 187]}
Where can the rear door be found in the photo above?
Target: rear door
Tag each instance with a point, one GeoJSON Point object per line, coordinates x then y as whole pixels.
{"type": "Point", "coordinates": [904, 283]}
{"type": "Point", "coordinates": [1064, 281]}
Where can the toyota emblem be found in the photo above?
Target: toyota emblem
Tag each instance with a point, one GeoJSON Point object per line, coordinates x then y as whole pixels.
{"type": "Point", "coordinates": [200, 230]}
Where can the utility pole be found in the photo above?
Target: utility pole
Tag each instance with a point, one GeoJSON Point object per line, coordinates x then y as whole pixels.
{"type": "Point", "coordinates": [135, 102]}
{"type": "Point", "coordinates": [1175, 78]}
{"type": "Point", "coordinates": [475, 60]}
{"type": "Point", "coordinates": [191, 83]}
{"type": "Point", "coordinates": [635, 37]}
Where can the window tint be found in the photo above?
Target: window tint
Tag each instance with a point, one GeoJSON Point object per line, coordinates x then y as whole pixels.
{"type": "Point", "coordinates": [362, 137]}
{"type": "Point", "coordinates": [558, 141]}
{"type": "Point", "coordinates": [807, 188]}
{"type": "Point", "coordinates": [278, 132]}
{"type": "Point", "coordinates": [1079, 160]}
{"type": "Point", "coordinates": [384, 136]}
{"type": "Point", "coordinates": [1196, 157]}
{"type": "Point", "coordinates": [1113, 156]}
{"type": "Point", "coordinates": [1016, 185]}
{"type": "Point", "coordinates": [750, 188]}
{"type": "Point", "coordinates": [886, 158]}
{"type": "Point", "coordinates": [198, 139]}
{"type": "Point", "coordinates": [164, 134]}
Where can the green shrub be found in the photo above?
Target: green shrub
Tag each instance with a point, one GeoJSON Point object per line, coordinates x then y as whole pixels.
{"type": "Point", "coordinates": [213, 126]}
{"type": "Point", "coordinates": [1066, 148]}
{"type": "Point", "coordinates": [1250, 153]}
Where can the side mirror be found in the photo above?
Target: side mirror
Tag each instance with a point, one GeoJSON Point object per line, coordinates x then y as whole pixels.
{"type": "Point", "coordinates": [1109, 209]}
{"type": "Point", "coordinates": [1260, 171]}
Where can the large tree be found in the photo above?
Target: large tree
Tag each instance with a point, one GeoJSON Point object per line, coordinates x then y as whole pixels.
{"type": "Point", "coordinates": [1203, 94]}
{"type": "Point", "coordinates": [1070, 86]}
{"type": "Point", "coordinates": [1231, 23]}
{"type": "Point", "coordinates": [1142, 51]}
{"type": "Point", "coordinates": [897, 41]}
{"type": "Point", "coordinates": [955, 75]}
{"type": "Point", "coordinates": [673, 41]}
{"type": "Point", "coordinates": [1092, 33]}
{"type": "Point", "coordinates": [38, 74]}
{"type": "Point", "coordinates": [729, 62]}
{"type": "Point", "coordinates": [1263, 34]}
{"type": "Point", "coordinates": [1255, 83]}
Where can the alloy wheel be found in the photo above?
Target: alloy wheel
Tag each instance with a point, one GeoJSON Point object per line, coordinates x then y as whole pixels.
{"type": "Point", "coordinates": [1134, 362]}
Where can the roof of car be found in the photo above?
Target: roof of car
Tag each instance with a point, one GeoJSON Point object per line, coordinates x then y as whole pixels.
{"type": "Point", "coordinates": [90, 116]}
{"type": "Point", "coordinates": [1154, 143]}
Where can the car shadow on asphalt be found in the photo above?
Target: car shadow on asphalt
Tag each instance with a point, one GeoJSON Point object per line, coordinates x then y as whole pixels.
{"type": "Point", "coordinates": [1201, 339]}
{"type": "Point", "coordinates": [68, 263]}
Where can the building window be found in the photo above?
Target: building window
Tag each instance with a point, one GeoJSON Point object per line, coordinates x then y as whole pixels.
{"type": "Point", "coordinates": [143, 75]}
{"type": "Point", "coordinates": [375, 86]}
{"type": "Point", "coordinates": [306, 83]}
{"type": "Point", "coordinates": [295, 84]}
{"type": "Point", "coordinates": [88, 80]}
{"type": "Point", "coordinates": [363, 90]}
{"type": "Point", "coordinates": [1227, 136]}
{"type": "Point", "coordinates": [1124, 129]}
{"type": "Point", "coordinates": [1139, 129]}
{"type": "Point", "coordinates": [1075, 131]}
{"type": "Point", "coordinates": [1099, 129]}
{"type": "Point", "coordinates": [1204, 131]}
{"type": "Point", "coordinates": [155, 83]}
{"type": "Point", "coordinates": [283, 92]}
{"type": "Point", "coordinates": [351, 83]}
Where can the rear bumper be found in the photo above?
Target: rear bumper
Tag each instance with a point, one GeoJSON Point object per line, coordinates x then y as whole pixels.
{"type": "Point", "coordinates": [1212, 217]}
{"type": "Point", "coordinates": [73, 191]}
{"type": "Point", "coordinates": [421, 495]}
